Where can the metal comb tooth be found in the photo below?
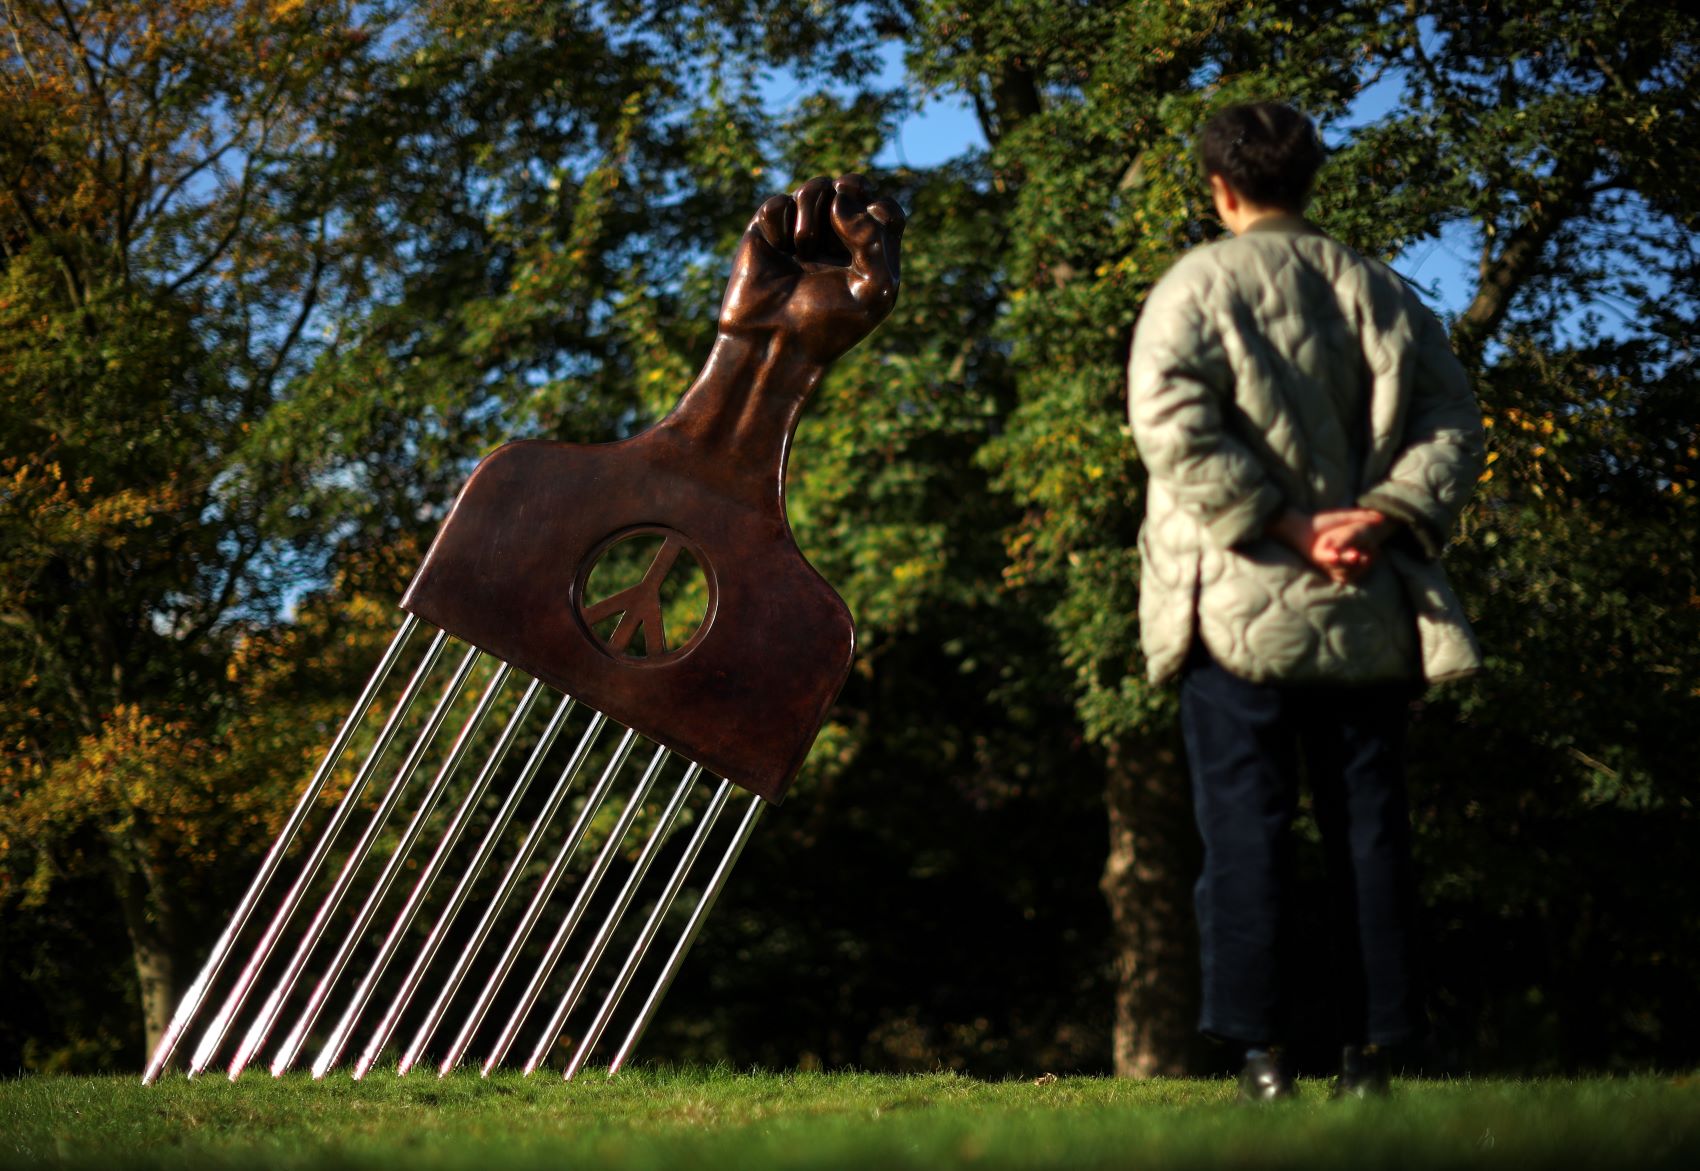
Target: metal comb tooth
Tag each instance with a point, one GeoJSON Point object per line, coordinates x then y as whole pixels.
{"type": "Point", "coordinates": [282, 936]}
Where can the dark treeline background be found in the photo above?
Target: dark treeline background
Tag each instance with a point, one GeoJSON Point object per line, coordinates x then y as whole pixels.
{"type": "Point", "coordinates": [277, 274]}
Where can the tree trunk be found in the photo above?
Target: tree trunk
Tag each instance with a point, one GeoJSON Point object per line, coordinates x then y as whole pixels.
{"type": "Point", "coordinates": [1014, 99]}
{"type": "Point", "coordinates": [1147, 883]}
{"type": "Point", "coordinates": [151, 924]}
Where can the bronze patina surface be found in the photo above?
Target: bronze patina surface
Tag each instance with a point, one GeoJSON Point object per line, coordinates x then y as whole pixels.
{"type": "Point", "coordinates": [746, 693]}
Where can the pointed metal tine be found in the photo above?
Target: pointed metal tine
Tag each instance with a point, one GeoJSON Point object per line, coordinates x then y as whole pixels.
{"type": "Point", "coordinates": [190, 1004]}
{"type": "Point", "coordinates": [297, 1037]}
{"type": "Point", "coordinates": [428, 874]}
{"type": "Point", "coordinates": [213, 1036]}
{"type": "Point", "coordinates": [486, 848]}
{"type": "Point", "coordinates": [581, 900]}
{"type": "Point", "coordinates": [611, 921]}
{"type": "Point", "coordinates": [273, 1005]}
{"type": "Point", "coordinates": [510, 881]}
{"type": "Point", "coordinates": [693, 928]}
{"type": "Point", "coordinates": [651, 926]}
{"type": "Point", "coordinates": [539, 899]}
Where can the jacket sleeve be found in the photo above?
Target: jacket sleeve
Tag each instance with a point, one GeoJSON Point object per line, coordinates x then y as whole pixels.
{"type": "Point", "coordinates": [1442, 450]}
{"type": "Point", "coordinates": [1180, 389]}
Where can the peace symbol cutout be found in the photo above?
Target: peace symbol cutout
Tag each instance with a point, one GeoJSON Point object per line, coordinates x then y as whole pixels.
{"type": "Point", "coordinates": [641, 586]}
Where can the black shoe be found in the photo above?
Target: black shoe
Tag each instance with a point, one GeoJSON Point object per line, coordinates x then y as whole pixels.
{"type": "Point", "coordinates": [1264, 1080]}
{"type": "Point", "coordinates": [1363, 1073]}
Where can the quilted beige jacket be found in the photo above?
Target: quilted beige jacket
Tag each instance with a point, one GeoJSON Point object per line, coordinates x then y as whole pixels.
{"type": "Point", "coordinates": [1281, 368]}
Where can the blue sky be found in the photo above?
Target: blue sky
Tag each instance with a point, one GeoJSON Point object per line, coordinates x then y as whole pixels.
{"type": "Point", "coordinates": [945, 127]}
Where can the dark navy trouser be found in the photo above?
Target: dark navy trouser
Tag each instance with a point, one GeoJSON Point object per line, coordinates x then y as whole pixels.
{"type": "Point", "coordinates": [1244, 742]}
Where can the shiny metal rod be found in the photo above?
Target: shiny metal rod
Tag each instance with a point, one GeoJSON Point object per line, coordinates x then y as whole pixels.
{"type": "Point", "coordinates": [213, 1036]}
{"type": "Point", "coordinates": [273, 1005]}
{"type": "Point", "coordinates": [539, 899]}
{"type": "Point", "coordinates": [510, 881]}
{"type": "Point", "coordinates": [587, 888]}
{"type": "Point", "coordinates": [692, 928]}
{"type": "Point", "coordinates": [486, 848]}
{"type": "Point", "coordinates": [190, 1003]}
{"type": "Point", "coordinates": [291, 1047]}
{"type": "Point", "coordinates": [611, 921]}
{"type": "Point", "coordinates": [651, 926]}
{"type": "Point", "coordinates": [427, 878]}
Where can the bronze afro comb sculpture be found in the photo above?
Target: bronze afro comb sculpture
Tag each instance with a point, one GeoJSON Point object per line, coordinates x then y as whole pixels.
{"type": "Point", "coordinates": [518, 578]}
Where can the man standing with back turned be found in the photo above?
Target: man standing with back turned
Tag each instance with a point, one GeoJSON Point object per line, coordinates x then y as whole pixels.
{"type": "Point", "coordinates": [1310, 441]}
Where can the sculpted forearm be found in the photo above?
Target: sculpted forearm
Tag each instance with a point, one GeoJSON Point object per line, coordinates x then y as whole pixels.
{"type": "Point", "coordinates": [751, 390]}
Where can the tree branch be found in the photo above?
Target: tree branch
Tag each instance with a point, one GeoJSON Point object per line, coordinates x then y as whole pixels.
{"type": "Point", "coordinates": [73, 279]}
{"type": "Point", "coordinates": [223, 243]}
{"type": "Point", "coordinates": [80, 50]}
{"type": "Point", "coordinates": [18, 44]}
{"type": "Point", "coordinates": [1504, 275]}
{"type": "Point", "coordinates": [246, 551]}
{"type": "Point", "coordinates": [211, 158]}
{"type": "Point", "coordinates": [309, 299]}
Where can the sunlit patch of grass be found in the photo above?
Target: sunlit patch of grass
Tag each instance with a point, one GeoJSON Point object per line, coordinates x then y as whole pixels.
{"type": "Point", "coordinates": [720, 1119]}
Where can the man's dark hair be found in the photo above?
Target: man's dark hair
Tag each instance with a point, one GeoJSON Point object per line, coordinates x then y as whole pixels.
{"type": "Point", "coordinates": [1267, 152]}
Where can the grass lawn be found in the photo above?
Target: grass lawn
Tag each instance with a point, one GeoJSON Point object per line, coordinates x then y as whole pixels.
{"type": "Point", "coordinates": [714, 1118]}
